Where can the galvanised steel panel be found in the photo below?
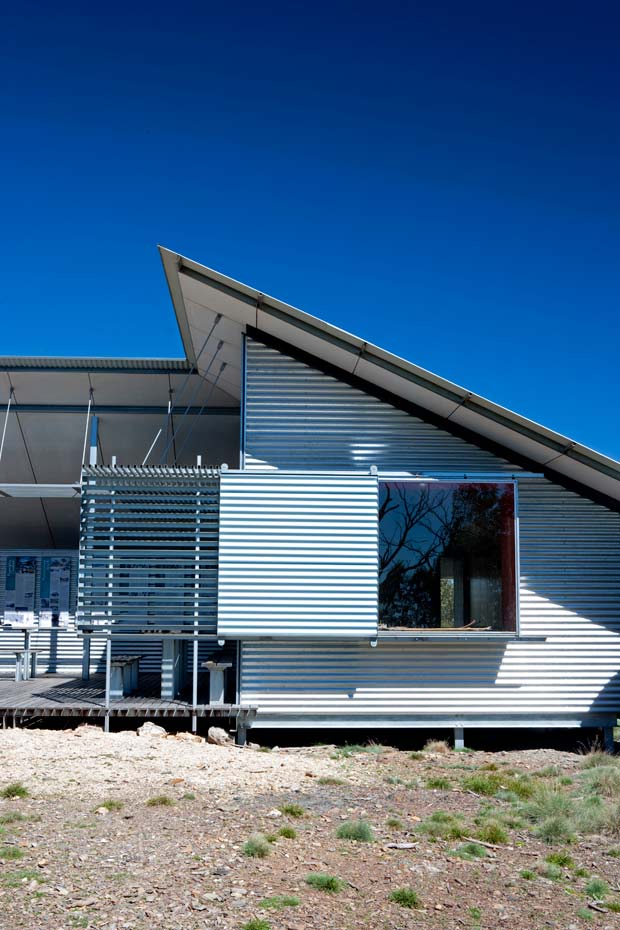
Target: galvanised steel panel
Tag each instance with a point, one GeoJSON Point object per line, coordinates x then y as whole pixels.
{"type": "Point", "coordinates": [297, 417]}
{"type": "Point", "coordinates": [297, 555]}
{"type": "Point", "coordinates": [148, 549]}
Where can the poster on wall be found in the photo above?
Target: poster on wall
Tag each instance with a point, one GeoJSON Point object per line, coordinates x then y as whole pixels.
{"type": "Point", "coordinates": [55, 586]}
{"type": "Point", "coordinates": [19, 591]}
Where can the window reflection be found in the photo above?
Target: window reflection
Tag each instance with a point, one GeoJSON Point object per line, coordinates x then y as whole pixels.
{"type": "Point", "coordinates": [447, 555]}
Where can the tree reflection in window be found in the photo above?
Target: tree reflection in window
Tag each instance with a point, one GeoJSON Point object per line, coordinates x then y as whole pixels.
{"type": "Point", "coordinates": [447, 555]}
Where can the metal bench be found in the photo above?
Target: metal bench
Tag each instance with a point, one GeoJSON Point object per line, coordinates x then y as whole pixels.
{"type": "Point", "coordinates": [124, 672]}
{"type": "Point", "coordinates": [25, 662]}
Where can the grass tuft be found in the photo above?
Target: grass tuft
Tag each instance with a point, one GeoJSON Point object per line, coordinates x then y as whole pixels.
{"type": "Point", "coordinates": [406, 897]}
{"type": "Point", "coordinates": [14, 790]}
{"type": "Point", "coordinates": [256, 924]}
{"type": "Point", "coordinates": [289, 833]}
{"type": "Point", "coordinates": [160, 800]}
{"type": "Point", "coordinates": [112, 805]}
{"type": "Point", "coordinates": [438, 746]}
{"type": "Point", "coordinates": [292, 810]}
{"type": "Point", "coordinates": [441, 825]}
{"type": "Point", "coordinates": [555, 830]}
{"type": "Point", "coordinates": [527, 875]}
{"type": "Point", "coordinates": [394, 823]}
{"type": "Point", "coordinates": [279, 901]}
{"type": "Point", "coordinates": [492, 832]}
{"type": "Point", "coordinates": [12, 817]}
{"type": "Point", "coordinates": [257, 846]}
{"type": "Point", "coordinates": [324, 882]}
{"type": "Point", "coordinates": [560, 858]}
{"type": "Point", "coordinates": [597, 889]}
{"type": "Point", "coordinates": [550, 871]}
{"type": "Point", "coordinates": [603, 780]}
{"type": "Point", "coordinates": [470, 851]}
{"type": "Point", "coordinates": [11, 852]}
{"type": "Point", "coordinates": [358, 830]}
{"type": "Point", "coordinates": [330, 780]}
{"type": "Point", "coordinates": [438, 781]}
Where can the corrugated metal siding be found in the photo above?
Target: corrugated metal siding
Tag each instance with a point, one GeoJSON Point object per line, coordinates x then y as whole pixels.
{"type": "Point", "coordinates": [569, 581]}
{"type": "Point", "coordinates": [298, 555]}
{"type": "Point", "coordinates": [297, 417]}
{"type": "Point", "coordinates": [61, 650]}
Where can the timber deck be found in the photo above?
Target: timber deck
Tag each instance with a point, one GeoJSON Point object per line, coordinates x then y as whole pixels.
{"type": "Point", "coordinates": [63, 696]}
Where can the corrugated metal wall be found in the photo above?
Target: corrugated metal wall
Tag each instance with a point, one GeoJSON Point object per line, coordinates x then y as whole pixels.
{"type": "Point", "coordinates": [569, 583]}
{"type": "Point", "coordinates": [298, 555]}
{"type": "Point", "coordinates": [61, 650]}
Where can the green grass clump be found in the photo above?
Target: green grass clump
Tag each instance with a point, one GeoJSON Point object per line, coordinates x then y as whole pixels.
{"type": "Point", "coordinates": [256, 924]}
{"type": "Point", "coordinates": [560, 858]}
{"type": "Point", "coordinates": [257, 846]}
{"type": "Point", "coordinates": [614, 852]}
{"type": "Point", "coordinates": [613, 906]}
{"type": "Point", "coordinates": [188, 796]}
{"type": "Point", "coordinates": [406, 897]}
{"type": "Point", "coordinates": [264, 748]}
{"type": "Point", "coordinates": [584, 914]}
{"type": "Point", "coordinates": [15, 879]}
{"type": "Point", "coordinates": [438, 781]}
{"type": "Point", "coordinates": [12, 817]}
{"type": "Point", "coordinates": [550, 771]}
{"type": "Point", "coordinates": [441, 825]}
{"type": "Point", "coordinates": [470, 851]}
{"type": "Point", "coordinates": [550, 871]}
{"type": "Point", "coordinates": [527, 874]}
{"type": "Point", "coordinates": [11, 852]}
{"type": "Point", "coordinates": [271, 837]}
{"type": "Point", "coordinates": [595, 758]}
{"type": "Point", "coordinates": [292, 810]}
{"type": "Point", "coordinates": [112, 805]}
{"type": "Point", "coordinates": [603, 780]}
{"type": "Point", "coordinates": [416, 756]}
{"type": "Point", "coordinates": [289, 833]}
{"type": "Point", "coordinates": [486, 784]}
{"type": "Point", "coordinates": [581, 873]}
{"type": "Point", "coordinates": [555, 830]}
{"type": "Point", "coordinates": [330, 780]}
{"type": "Point", "coordinates": [352, 749]}
{"type": "Point", "coordinates": [358, 830]}
{"type": "Point", "coordinates": [548, 801]}
{"type": "Point", "coordinates": [597, 888]}
{"type": "Point", "coordinates": [160, 800]}
{"type": "Point", "coordinates": [393, 780]}
{"type": "Point", "coordinates": [14, 790]}
{"type": "Point", "coordinates": [279, 901]}
{"type": "Point", "coordinates": [492, 832]}
{"type": "Point", "coordinates": [324, 882]}
{"type": "Point", "coordinates": [394, 823]}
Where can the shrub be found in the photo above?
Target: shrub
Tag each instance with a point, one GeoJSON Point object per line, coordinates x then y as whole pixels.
{"type": "Point", "coordinates": [439, 746]}
{"type": "Point", "coordinates": [113, 805]}
{"type": "Point", "coordinates": [470, 851]}
{"type": "Point", "coordinates": [256, 846]}
{"type": "Point", "coordinates": [406, 897]}
{"type": "Point", "coordinates": [560, 858]}
{"type": "Point", "coordinates": [160, 800]}
{"type": "Point", "coordinates": [279, 901]}
{"type": "Point", "coordinates": [355, 830]}
{"type": "Point", "coordinates": [554, 830]}
{"type": "Point", "coordinates": [604, 780]}
{"type": "Point", "coordinates": [551, 871]}
{"type": "Point", "coordinates": [14, 790]}
{"type": "Point", "coordinates": [330, 780]}
{"type": "Point", "coordinates": [492, 832]}
{"type": "Point", "coordinates": [11, 852]}
{"type": "Point", "coordinates": [292, 810]}
{"type": "Point", "coordinates": [324, 882]}
{"type": "Point", "coordinates": [527, 874]}
{"type": "Point", "coordinates": [438, 781]}
{"type": "Point", "coordinates": [597, 888]}
{"type": "Point", "coordinates": [289, 833]}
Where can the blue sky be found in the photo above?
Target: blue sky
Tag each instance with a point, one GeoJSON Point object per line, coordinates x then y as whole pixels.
{"type": "Point", "coordinates": [441, 179]}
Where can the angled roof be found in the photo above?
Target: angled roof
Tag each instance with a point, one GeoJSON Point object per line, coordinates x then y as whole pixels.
{"type": "Point", "coordinates": [213, 312]}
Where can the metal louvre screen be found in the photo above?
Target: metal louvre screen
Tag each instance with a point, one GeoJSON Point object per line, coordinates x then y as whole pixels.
{"type": "Point", "coordinates": [298, 555]}
{"type": "Point", "coordinates": [148, 549]}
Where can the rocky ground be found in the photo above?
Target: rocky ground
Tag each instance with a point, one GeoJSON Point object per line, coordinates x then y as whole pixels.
{"type": "Point", "coordinates": [127, 832]}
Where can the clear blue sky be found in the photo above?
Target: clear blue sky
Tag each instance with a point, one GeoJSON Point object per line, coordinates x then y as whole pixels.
{"type": "Point", "coordinates": [440, 178]}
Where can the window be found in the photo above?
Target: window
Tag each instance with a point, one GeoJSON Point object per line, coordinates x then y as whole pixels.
{"type": "Point", "coordinates": [447, 556]}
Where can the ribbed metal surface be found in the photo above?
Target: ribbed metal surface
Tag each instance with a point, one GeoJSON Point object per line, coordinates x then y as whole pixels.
{"type": "Point", "coordinates": [297, 417]}
{"type": "Point", "coordinates": [298, 555]}
{"type": "Point", "coordinates": [60, 649]}
{"type": "Point", "coordinates": [148, 549]}
{"type": "Point", "coordinates": [41, 363]}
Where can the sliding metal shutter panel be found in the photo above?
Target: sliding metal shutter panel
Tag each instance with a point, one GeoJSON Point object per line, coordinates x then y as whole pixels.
{"type": "Point", "coordinates": [148, 549]}
{"type": "Point", "coordinates": [298, 555]}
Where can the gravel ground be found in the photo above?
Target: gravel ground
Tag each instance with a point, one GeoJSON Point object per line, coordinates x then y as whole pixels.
{"type": "Point", "coordinates": [182, 866]}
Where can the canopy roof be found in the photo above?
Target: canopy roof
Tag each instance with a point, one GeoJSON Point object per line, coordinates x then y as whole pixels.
{"type": "Point", "coordinates": [216, 309]}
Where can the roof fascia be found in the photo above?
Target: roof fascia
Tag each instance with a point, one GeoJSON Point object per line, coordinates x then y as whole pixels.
{"type": "Point", "coordinates": [172, 266]}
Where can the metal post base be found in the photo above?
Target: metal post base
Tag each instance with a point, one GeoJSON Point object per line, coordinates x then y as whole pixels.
{"type": "Point", "coordinates": [459, 738]}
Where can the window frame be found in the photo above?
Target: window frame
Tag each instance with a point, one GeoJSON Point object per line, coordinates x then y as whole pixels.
{"type": "Point", "coordinates": [452, 635]}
